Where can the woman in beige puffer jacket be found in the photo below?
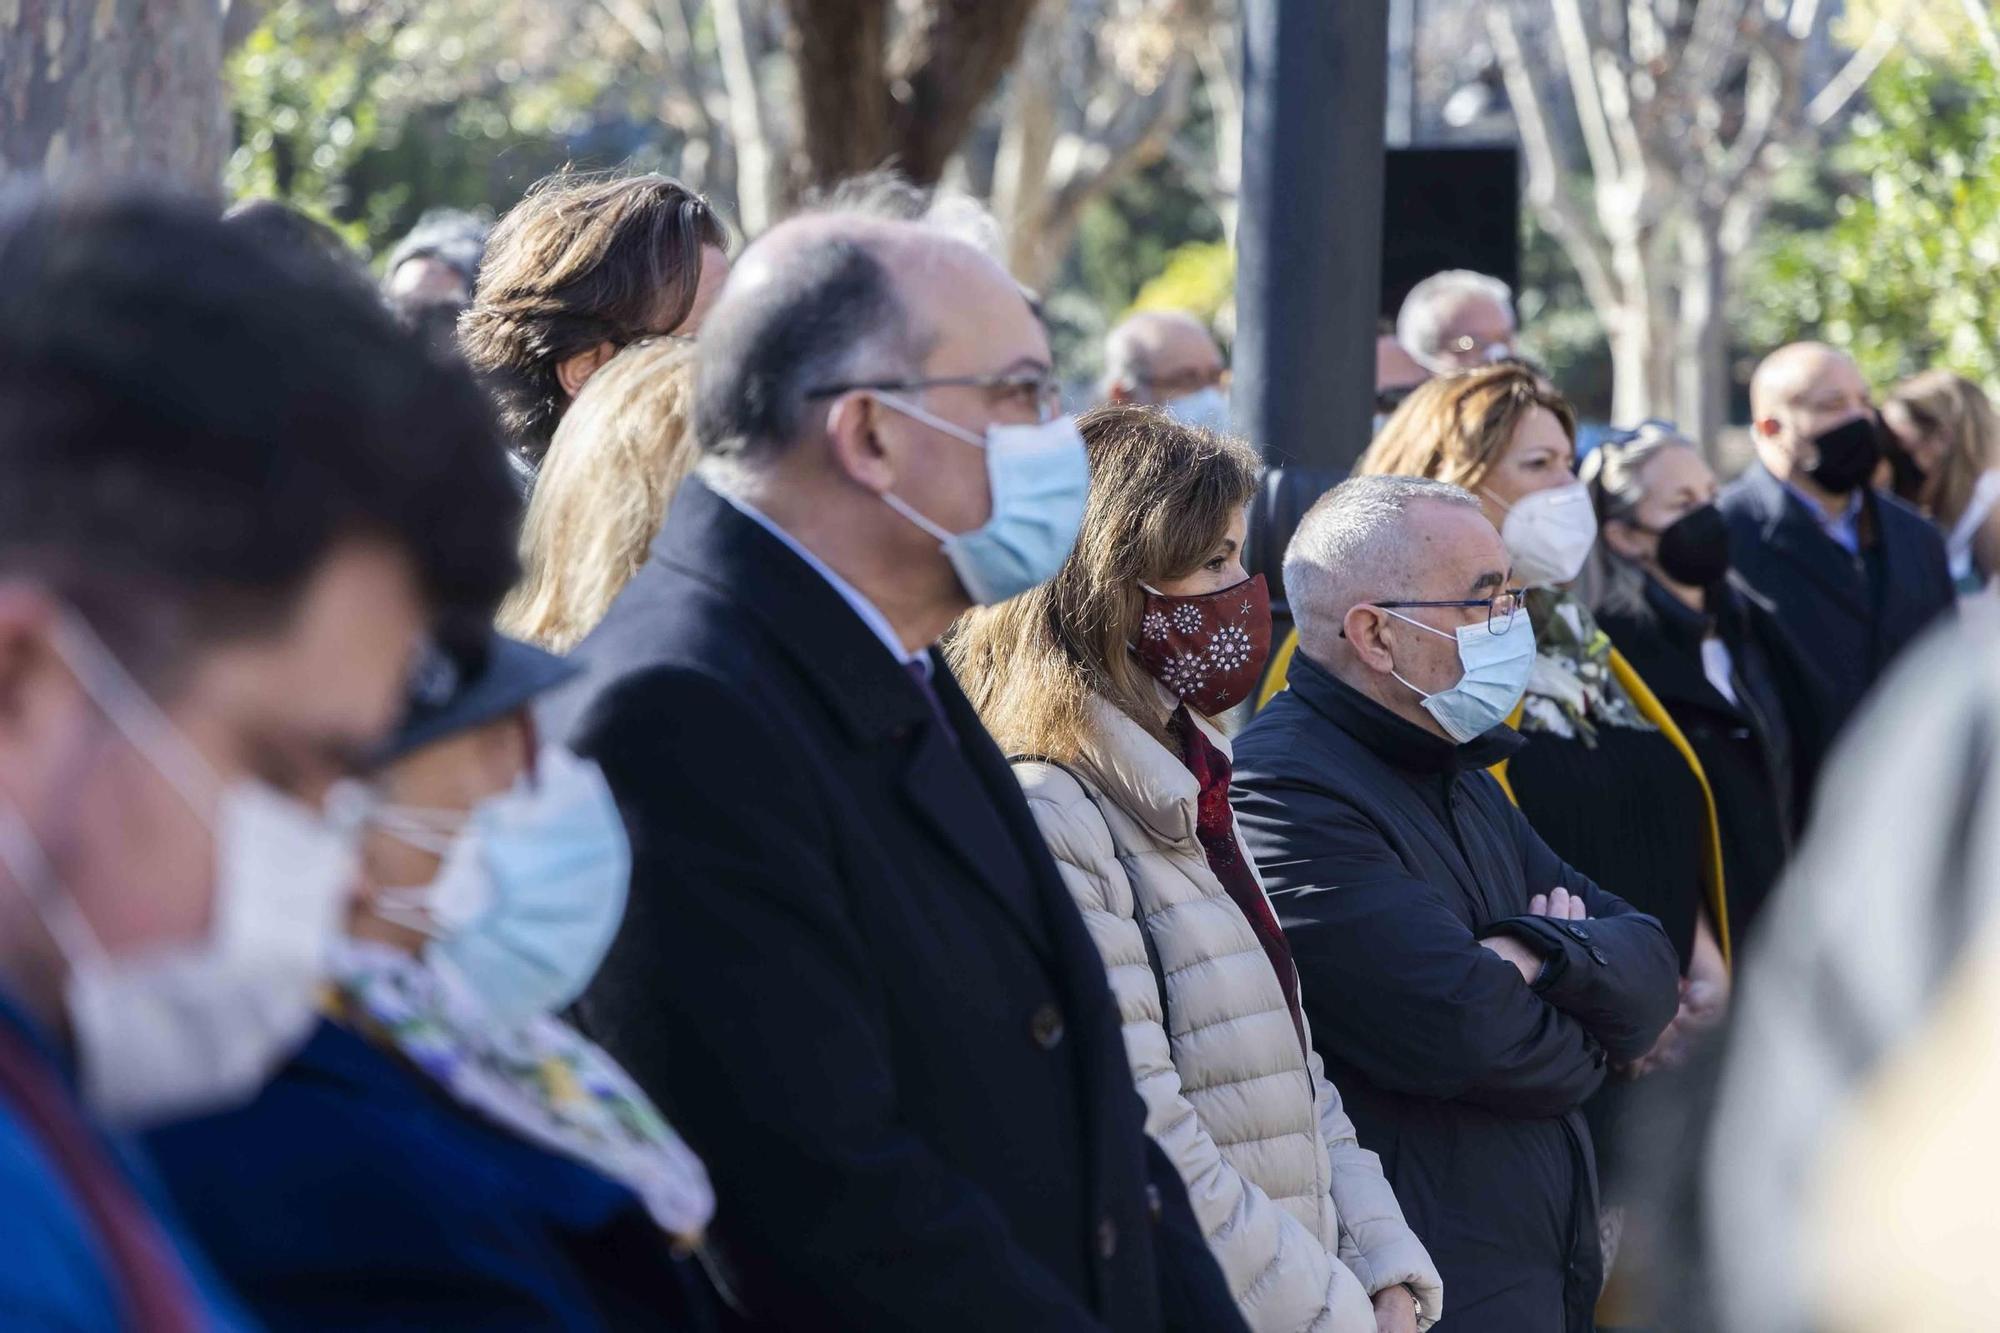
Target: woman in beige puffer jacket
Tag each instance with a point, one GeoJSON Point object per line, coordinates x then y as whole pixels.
{"type": "Point", "coordinates": [1068, 678]}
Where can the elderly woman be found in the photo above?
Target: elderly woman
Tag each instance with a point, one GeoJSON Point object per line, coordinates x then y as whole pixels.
{"type": "Point", "coordinates": [445, 1152]}
{"type": "Point", "coordinates": [1752, 709]}
{"type": "Point", "coordinates": [1105, 681]}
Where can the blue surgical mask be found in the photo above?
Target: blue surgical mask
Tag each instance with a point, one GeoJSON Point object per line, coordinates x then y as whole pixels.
{"type": "Point", "coordinates": [531, 890]}
{"type": "Point", "coordinates": [1040, 480]}
{"type": "Point", "coordinates": [1206, 408]}
{"type": "Point", "coordinates": [1494, 676]}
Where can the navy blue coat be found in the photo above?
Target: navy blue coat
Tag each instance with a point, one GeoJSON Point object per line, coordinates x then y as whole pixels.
{"type": "Point", "coordinates": [851, 973]}
{"type": "Point", "coordinates": [1849, 615]}
{"type": "Point", "coordinates": [354, 1194]}
{"type": "Point", "coordinates": [1389, 853]}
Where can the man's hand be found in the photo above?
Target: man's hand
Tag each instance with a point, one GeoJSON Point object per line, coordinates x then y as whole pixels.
{"type": "Point", "coordinates": [1517, 953]}
{"type": "Point", "coordinates": [1395, 1311]}
{"type": "Point", "coordinates": [1558, 904]}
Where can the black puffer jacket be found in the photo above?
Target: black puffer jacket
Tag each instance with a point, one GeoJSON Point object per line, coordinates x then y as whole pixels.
{"type": "Point", "coordinates": [1389, 853]}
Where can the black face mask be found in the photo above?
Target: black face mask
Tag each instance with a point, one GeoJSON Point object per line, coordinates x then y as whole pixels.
{"type": "Point", "coordinates": [1847, 455]}
{"type": "Point", "coordinates": [1694, 548]}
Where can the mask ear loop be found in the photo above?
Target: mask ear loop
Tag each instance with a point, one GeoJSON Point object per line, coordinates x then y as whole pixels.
{"type": "Point", "coordinates": [1411, 620]}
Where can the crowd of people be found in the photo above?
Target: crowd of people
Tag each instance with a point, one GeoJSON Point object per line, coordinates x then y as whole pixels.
{"type": "Point", "coordinates": [623, 778]}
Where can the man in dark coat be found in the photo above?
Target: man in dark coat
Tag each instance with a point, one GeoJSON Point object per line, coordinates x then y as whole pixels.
{"type": "Point", "coordinates": [1853, 573]}
{"type": "Point", "coordinates": [849, 968]}
{"type": "Point", "coordinates": [1467, 990]}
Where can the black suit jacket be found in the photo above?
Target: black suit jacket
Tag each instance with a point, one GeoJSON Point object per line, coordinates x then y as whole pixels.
{"type": "Point", "coordinates": [851, 973]}
{"type": "Point", "coordinates": [1849, 615]}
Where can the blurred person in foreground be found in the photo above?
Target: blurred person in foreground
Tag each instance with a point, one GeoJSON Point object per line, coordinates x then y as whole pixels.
{"type": "Point", "coordinates": [446, 1152]}
{"type": "Point", "coordinates": [1457, 320]}
{"type": "Point", "coordinates": [1853, 574]}
{"type": "Point", "coordinates": [234, 493]}
{"type": "Point", "coordinates": [1944, 458]}
{"type": "Point", "coordinates": [619, 456]}
{"type": "Point", "coordinates": [1168, 359]}
{"type": "Point", "coordinates": [1467, 990]}
{"type": "Point", "coordinates": [1845, 1173]}
{"type": "Point", "coordinates": [1710, 650]}
{"type": "Point", "coordinates": [1105, 683]}
{"type": "Point", "coordinates": [582, 266]}
{"type": "Point", "coordinates": [849, 969]}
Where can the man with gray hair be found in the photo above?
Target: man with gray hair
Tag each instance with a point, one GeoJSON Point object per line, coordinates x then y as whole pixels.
{"type": "Point", "coordinates": [1457, 320]}
{"type": "Point", "coordinates": [1466, 989]}
{"type": "Point", "coordinates": [1168, 359]}
{"type": "Point", "coordinates": [849, 969]}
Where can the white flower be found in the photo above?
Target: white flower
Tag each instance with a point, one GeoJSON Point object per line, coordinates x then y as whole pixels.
{"type": "Point", "coordinates": [1184, 673]}
{"type": "Point", "coordinates": [1154, 626]}
{"type": "Point", "coordinates": [1187, 618]}
{"type": "Point", "coordinates": [1230, 648]}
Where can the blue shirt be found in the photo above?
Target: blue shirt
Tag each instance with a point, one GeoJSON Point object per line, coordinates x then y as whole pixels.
{"type": "Point", "coordinates": [871, 615]}
{"type": "Point", "coordinates": [53, 1272]}
{"type": "Point", "coordinates": [1844, 527]}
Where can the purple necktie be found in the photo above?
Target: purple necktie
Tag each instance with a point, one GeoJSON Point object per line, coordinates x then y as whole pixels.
{"type": "Point", "coordinates": [922, 676]}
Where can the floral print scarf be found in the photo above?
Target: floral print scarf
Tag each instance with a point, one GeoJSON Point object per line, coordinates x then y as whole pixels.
{"type": "Point", "coordinates": [1572, 690]}
{"type": "Point", "coordinates": [543, 1081]}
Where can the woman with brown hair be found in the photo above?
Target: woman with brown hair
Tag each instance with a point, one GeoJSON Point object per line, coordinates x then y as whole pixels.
{"type": "Point", "coordinates": [618, 457]}
{"type": "Point", "coordinates": [1104, 683]}
{"type": "Point", "coordinates": [1606, 778]}
{"type": "Point", "coordinates": [1948, 437]}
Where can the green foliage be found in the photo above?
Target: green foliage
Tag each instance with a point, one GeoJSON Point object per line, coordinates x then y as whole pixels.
{"type": "Point", "coordinates": [1898, 260]}
{"type": "Point", "coordinates": [1200, 278]}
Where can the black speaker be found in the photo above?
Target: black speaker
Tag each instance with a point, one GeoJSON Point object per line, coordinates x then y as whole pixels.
{"type": "Point", "coordinates": [1449, 208]}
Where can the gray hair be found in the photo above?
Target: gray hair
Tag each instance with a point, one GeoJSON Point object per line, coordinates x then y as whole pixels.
{"type": "Point", "coordinates": [1354, 544]}
{"type": "Point", "coordinates": [1612, 470]}
{"type": "Point", "coordinates": [888, 193]}
{"type": "Point", "coordinates": [1421, 321]}
{"type": "Point", "coordinates": [1129, 347]}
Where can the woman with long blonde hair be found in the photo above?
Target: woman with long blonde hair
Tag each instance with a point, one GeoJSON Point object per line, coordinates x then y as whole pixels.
{"type": "Point", "coordinates": [1104, 683]}
{"type": "Point", "coordinates": [623, 449]}
{"type": "Point", "coordinates": [1949, 436]}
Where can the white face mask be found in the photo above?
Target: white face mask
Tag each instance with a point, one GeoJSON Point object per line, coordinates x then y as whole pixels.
{"type": "Point", "coordinates": [1549, 534]}
{"type": "Point", "coordinates": [190, 1027]}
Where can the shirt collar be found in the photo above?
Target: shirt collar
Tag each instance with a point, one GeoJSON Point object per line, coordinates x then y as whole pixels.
{"type": "Point", "coordinates": [1842, 527]}
{"type": "Point", "coordinates": [871, 615]}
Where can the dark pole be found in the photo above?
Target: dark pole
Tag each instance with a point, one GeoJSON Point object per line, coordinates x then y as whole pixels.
{"type": "Point", "coordinates": [1309, 249]}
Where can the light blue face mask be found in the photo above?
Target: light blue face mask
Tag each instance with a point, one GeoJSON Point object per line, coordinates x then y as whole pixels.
{"type": "Point", "coordinates": [1494, 668]}
{"type": "Point", "coordinates": [1040, 480]}
{"type": "Point", "coordinates": [531, 890]}
{"type": "Point", "coordinates": [1207, 409]}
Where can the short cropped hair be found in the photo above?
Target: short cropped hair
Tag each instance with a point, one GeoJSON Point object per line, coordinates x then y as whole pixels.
{"type": "Point", "coordinates": [1421, 320]}
{"type": "Point", "coordinates": [191, 420]}
{"type": "Point", "coordinates": [827, 314]}
{"type": "Point", "coordinates": [582, 260]}
{"type": "Point", "coordinates": [452, 236]}
{"type": "Point", "coordinates": [1354, 543]}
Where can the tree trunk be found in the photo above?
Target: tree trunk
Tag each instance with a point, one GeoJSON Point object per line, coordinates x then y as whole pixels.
{"type": "Point", "coordinates": [839, 48]}
{"type": "Point", "coordinates": [1701, 350]}
{"type": "Point", "coordinates": [1027, 142]}
{"type": "Point", "coordinates": [950, 64]}
{"type": "Point", "coordinates": [114, 88]}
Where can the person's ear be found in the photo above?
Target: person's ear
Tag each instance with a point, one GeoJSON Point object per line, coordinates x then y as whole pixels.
{"type": "Point", "coordinates": [573, 372]}
{"type": "Point", "coordinates": [1768, 427]}
{"type": "Point", "coordinates": [1365, 628]}
{"type": "Point", "coordinates": [1623, 539]}
{"type": "Point", "coordinates": [40, 699]}
{"type": "Point", "coordinates": [854, 438]}
{"type": "Point", "coordinates": [1122, 393]}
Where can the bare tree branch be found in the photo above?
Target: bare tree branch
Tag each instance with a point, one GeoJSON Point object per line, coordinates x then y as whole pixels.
{"type": "Point", "coordinates": [1540, 148]}
{"type": "Point", "coordinates": [756, 180]}
{"type": "Point", "coordinates": [1575, 43]}
{"type": "Point", "coordinates": [1853, 76]}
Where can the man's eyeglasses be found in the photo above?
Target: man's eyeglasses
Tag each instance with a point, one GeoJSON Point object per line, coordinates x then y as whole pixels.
{"type": "Point", "coordinates": [1501, 608]}
{"type": "Point", "coordinates": [1033, 391]}
{"type": "Point", "coordinates": [1182, 383]}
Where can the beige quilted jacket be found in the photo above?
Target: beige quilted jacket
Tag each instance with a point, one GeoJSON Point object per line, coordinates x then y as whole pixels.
{"type": "Point", "coordinates": [1296, 1211]}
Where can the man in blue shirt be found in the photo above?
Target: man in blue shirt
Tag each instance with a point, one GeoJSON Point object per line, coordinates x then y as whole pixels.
{"type": "Point", "coordinates": [234, 494]}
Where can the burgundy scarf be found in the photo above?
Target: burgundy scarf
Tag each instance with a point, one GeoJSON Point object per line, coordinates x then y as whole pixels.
{"type": "Point", "coordinates": [1216, 831]}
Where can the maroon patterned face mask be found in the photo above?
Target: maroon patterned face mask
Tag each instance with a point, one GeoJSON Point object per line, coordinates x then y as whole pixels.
{"type": "Point", "coordinates": [1208, 649]}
